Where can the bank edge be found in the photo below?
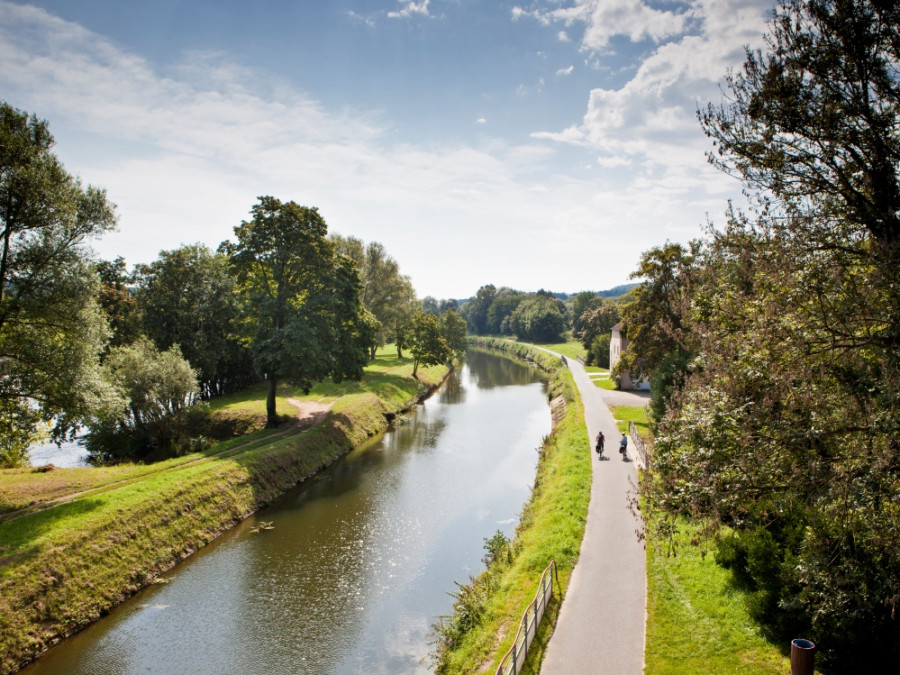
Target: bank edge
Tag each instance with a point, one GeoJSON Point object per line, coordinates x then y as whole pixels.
{"type": "Point", "coordinates": [101, 549]}
{"type": "Point", "coordinates": [551, 526]}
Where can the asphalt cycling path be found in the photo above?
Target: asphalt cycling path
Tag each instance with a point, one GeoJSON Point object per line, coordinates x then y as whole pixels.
{"type": "Point", "coordinates": [600, 628]}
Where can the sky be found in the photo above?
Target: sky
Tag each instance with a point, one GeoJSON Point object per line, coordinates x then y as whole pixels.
{"type": "Point", "coordinates": [530, 144]}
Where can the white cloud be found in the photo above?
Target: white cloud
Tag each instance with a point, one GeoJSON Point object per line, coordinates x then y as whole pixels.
{"type": "Point", "coordinates": [562, 36]}
{"type": "Point", "coordinates": [410, 8]}
{"type": "Point", "coordinates": [604, 19]}
{"type": "Point", "coordinates": [186, 152]}
{"type": "Point", "coordinates": [651, 119]}
{"type": "Point", "coordinates": [565, 71]}
{"type": "Point", "coordinates": [369, 20]}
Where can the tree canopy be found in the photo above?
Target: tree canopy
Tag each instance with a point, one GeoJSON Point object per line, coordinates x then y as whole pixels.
{"type": "Point", "coordinates": [51, 327]}
{"type": "Point", "coordinates": [304, 313]}
{"type": "Point", "coordinates": [386, 293]}
{"type": "Point", "coordinates": [188, 298]}
{"type": "Point", "coordinates": [786, 426]}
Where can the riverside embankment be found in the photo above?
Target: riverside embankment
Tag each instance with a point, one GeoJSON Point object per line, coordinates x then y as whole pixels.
{"type": "Point", "coordinates": [63, 567]}
{"type": "Point", "coordinates": [551, 527]}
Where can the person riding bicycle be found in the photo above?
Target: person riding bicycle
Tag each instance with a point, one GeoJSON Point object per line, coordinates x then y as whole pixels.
{"type": "Point", "coordinates": [599, 443]}
{"type": "Point", "coordinates": [623, 444]}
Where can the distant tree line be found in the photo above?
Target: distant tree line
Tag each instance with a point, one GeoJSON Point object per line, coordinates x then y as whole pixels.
{"type": "Point", "coordinates": [547, 317]}
{"type": "Point", "coordinates": [128, 355]}
{"type": "Point", "coordinates": [773, 343]}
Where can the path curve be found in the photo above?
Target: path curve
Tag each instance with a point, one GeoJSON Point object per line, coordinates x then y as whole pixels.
{"type": "Point", "coordinates": [600, 628]}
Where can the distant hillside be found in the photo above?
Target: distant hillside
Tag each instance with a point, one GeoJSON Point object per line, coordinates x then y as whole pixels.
{"type": "Point", "coordinates": [617, 291]}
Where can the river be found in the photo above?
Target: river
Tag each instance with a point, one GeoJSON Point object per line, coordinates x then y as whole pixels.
{"type": "Point", "coordinates": [360, 560]}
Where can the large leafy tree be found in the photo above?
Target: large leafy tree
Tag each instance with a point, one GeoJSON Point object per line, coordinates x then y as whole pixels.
{"type": "Point", "coordinates": [386, 293]}
{"type": "Point", "coordinates": [656, 320]}
{"type": "Point", "coordinates": [578, 305]}
{"type": "Point", "coordinates": [188, 297]}
{"type": "Point", "coordinates": [51, 327]}
{"type": "Point", "coordinates": [425, 341]}
{"type": "Point", "coordinates": [503, 306]}
{"type": "Point", "coordinates": [539, 318]}
{"type": "Point", "coordinates": [595, 326]}
{"type": "Point", "coordinates": [304, 312]}
{"type": "Point", "coordinates": [476, 309]}
{"type": "Point", "coordinates": [156, 389]}
{"type": "Point", "coordinates": [119, 302]}
{"type": "Point", "coordinates": [453, 330]}
{"type": "Point", "coordinates": [788, 428]}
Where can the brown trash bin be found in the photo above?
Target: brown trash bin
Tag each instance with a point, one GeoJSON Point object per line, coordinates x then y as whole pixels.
{"type": "Point", "coordinates": [802, 657]}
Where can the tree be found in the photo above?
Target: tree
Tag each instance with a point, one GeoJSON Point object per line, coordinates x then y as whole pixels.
{"type": "Point", "coordinates": [453, 330]}
{"type": "Point", "coordinates": [116, 297]}
{"type": "Point", "coordinates": [501, 310]}
{"type": "Point", "coordinates": [156, 388]}
{"type": "Point", "coordinates": [788, 426]}
{"type": "Point", "coordinates": [581, 303]}
{"type": "Point", "coordinates": [431, 305]}
{"type": "Point", "coordinates": [539, 318]}
{"type": "Point", "coordinates": [596, 324]}
{"type": "Point", "coordinates": [476, 309]}
{"type": "Point", "coordinates": [303, 300]}
{"type": "Point", "coordinates": [52, 330]}
{"type": "Point", "coordinates": [655, 322]}
{"type": "Point", "coordinates": [387, 294]}
{"type": "Point", "coordinates": [189, 298]}
{"type": "Point", "coordinates": [425, 342]}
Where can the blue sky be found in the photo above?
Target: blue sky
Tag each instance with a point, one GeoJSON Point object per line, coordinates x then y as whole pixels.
{"type": "Point", "coordinates": [532, 144]}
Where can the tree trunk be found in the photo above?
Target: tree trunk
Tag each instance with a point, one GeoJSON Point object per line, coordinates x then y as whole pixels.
{"type": "Point", "coordinates": [271, 414]}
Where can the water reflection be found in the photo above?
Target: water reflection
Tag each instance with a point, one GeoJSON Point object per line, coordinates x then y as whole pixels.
{"type": "Point", "coordinates": [360, 559]}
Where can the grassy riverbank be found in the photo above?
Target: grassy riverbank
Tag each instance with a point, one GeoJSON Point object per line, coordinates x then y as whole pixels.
{"type": "Point", "coordinates": [67, 564]}
{"type": "Point", "coordinates": [697, 617]}
{"type": "Point", "coordinates": [551, 528]}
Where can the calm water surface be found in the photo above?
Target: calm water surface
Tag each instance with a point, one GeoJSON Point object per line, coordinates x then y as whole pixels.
{"type": "Point", "coordinates": [360, 559]}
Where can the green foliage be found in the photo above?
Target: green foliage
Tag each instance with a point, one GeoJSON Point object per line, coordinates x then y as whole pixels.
{"type": "Point", "coordinates": [655, 321]}
{"type": "Point", "coordinates": [304, 315]}
{"type": "Point", "coordinates": [596, 322]}
{"type": "Point", "coordinates": [787, 423]}
{"type": "Point", "coordinates": [581, 303]}
{"type": "Point", "coordinates": [188, 298]}
{"type": "Point", "coordinates": [499, 315]}
{"type": "Point", "coordinates": [539, 318]}
{"type": "Point", "coordinates": [425, 341]}
{"type": "Point", "coordinates": [156, 388]}
{"type": "Point", "coordinates": [598, 351]}
{"type": "Point", "coordinates": [475, 310]}
{"type": "Point", "coordinates": [388, 295]}
{"type": "Point", "coordinates": [453, 330]}
{"type": "Point", "coordinates": [51, 328]}
{"type": "Point", "coordinates": [497, 549]}
{"type": "Point", "coordinates": [121, 308]}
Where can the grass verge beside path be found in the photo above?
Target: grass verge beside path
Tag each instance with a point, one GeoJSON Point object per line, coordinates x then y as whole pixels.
{"type": "Point", "coordinates": [631, 413]}
{"type": "Point", "coordinates": [551, 528]}
{"type": "Point", "coordinates": [571, 349]}
{"type": "Point", "coordinates": [64, 567]}
{"type": "Point", "coordinates": [697, 621]}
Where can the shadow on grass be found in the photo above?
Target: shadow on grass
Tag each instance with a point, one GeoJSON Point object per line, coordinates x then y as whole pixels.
{"type": "Point", "coordinates": [21, 537]}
